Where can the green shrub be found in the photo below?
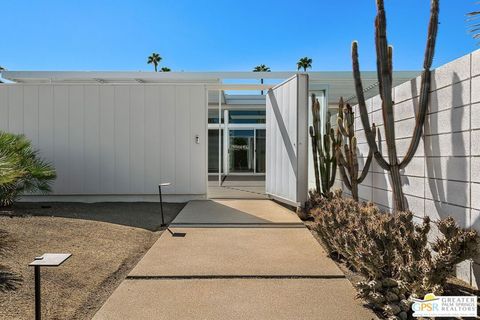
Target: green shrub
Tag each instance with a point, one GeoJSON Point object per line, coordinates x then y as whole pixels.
{"type": "Point", "coordinates": [21, 169]}
{"type": "Point", "coordinates": [391, 251]}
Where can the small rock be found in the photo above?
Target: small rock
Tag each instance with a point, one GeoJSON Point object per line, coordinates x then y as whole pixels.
{"type": "Point", "coordinates": [401, 296]}
{"type": "Point", "coordinates": [413, 296]}
{"type": "Point", "coordinates": [376, 298]}
{"type": "Point", "coordinates": [403, 315]}
{"type": "Point", "coordinates": [389, 282]}
{"type": "Point", "coordinates": [395, 290]}
{"type": "Point", "coordinates": [405, 304]}
{"type": "Point", "coordinates": [392, 309]}
{"type": "Point", "coordinates": [375, 285]}
{"type": "Point", "coordinates": [391, 297]}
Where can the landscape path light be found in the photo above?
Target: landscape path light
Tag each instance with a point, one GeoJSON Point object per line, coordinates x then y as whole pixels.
{"type": "Point", "coordinates": [46, 260]}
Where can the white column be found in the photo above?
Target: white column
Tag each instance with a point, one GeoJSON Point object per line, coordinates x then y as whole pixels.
{"type": "Point", "coordinates": [226, 141]}
{"type": "Point", "coordinates": [219, 137]}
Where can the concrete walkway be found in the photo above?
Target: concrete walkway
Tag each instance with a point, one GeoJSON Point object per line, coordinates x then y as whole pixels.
{"type": "Point", "coordinates": [235, 259]}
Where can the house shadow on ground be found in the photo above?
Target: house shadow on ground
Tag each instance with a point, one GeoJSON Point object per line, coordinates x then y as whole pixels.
{"type": "Point", "coordinates": [145, 215]}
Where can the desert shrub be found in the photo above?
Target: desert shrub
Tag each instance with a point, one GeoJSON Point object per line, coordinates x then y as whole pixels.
{"type": "Point", "coordinates": [21, 169]}
{"type": "Point", "coordinates": [392, 251]}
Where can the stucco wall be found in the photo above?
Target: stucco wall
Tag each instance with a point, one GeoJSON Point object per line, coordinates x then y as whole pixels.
{"type": "Point", "coordinates": [113, 142]}
{"type": "Point", "coordinates": [444, 176]}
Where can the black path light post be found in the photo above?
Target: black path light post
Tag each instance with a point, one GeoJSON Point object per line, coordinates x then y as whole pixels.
{"type": "Point", "coordinates": [47, 260]}
{"type": "Point", "coordinates": [161, 201]}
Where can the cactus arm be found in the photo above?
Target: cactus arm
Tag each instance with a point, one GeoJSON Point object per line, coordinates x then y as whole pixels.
{"type": "Point", "coordinates": [367, 164]}
{"type": "Point", "coordinates": [366, 167]}
{"type": "Point", "coordinates": [425, 85]}
{"type": "Point", "coordinates": [315, 159]}
{"type": "Point", "coordinates": [341, 158]}
{"type": "Point", "coordinates": [385, 62]}
{"type": "Point", "coordinates": [372, 144]}
{"type": "Point", "coordinates": [345, 178]}
{"type": "Point", "coordinates": [353, 152]}
{"type": "Point", "coordinates": [333, 171]}
{"type": "Point", "coordinates": [341, 127]}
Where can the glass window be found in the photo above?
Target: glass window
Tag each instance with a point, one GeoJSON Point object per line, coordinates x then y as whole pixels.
{"type": "Point", "coordinates": [260, 150]}
{"type": "Point", "coordinates": [247, 116]}
{"type": "Point", "coordinates": [213, 116]}
{"type": "Point", "coordinates": [213, 151]}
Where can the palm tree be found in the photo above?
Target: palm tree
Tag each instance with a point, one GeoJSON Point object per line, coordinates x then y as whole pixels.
{"type": "Point", "coordinates": [305, 63]}
{"type": "Point", "coordinates": [165, 69]}
{"type": "Point", "coordinates": [474, 28]}
{"type": "Point", "coordinates": [155, 60]}
{"type": "Point", "coordinates": [261, 68]}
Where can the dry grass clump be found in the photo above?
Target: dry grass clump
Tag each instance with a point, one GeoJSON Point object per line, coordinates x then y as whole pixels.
{"type": "Point", "coordinates": [391, 251]}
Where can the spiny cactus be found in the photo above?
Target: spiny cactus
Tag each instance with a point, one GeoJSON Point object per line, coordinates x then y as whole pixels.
{"type": "Point", "coordinates": [391, 251]}
{"type": "Point", "coordinates": [323, 151]}
{"type": "Point", "coordinates": [384, 73]}
{"type": "Point", "coordinates": [347, 160]}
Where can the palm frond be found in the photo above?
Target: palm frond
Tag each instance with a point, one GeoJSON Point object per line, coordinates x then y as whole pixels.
{"type": "Point", "coordinates": [21, 169]}
{"type": "Point", "coordinates": [261, 68]}
{"type": "Point", "coordinates": [474, 27]}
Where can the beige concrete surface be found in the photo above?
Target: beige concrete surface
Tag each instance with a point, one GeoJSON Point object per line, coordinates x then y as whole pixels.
{"type": "Point", "coordinates": [237, 187]}
{"type": "Point", "coordinates": [238, 259]}
{"type": "Point", "coordinates": [236, 251]}
{"type": "Point", "coordinates": [236, 192]}
{"type": "Point", "coordinates": [262, 299]}
{"type": "Point", "coordinates": [235, 211]}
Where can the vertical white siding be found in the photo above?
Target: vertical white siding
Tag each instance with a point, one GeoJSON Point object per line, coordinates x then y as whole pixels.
{"type": "Point", "coordinates": [286, 140]}
{"type": "Point", "coordinates": [113, 140]}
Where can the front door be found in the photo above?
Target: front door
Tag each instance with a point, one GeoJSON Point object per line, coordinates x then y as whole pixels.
{"type": "Point", "coordinates": [242, 151]}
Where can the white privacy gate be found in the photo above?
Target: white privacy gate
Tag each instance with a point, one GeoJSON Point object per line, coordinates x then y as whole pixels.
{"type": "Point", "coordinates": [287, 141]}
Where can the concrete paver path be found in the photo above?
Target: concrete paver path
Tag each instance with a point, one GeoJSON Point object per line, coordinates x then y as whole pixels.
{"type": "Point", "coordinates": [235, 259]}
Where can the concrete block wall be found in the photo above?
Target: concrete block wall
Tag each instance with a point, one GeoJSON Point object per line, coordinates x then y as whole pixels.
{"type": "Point", "coordinates": [443, 179]}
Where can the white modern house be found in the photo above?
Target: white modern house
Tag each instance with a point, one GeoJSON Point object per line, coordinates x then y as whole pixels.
{"type": "Point", "coordinates": [114, 136]}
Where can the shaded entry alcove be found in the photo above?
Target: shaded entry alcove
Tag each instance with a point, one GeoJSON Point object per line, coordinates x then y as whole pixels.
{"type": "Point", "coordinates": [263, 157]}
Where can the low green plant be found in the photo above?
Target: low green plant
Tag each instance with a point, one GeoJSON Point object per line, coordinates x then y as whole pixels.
{"type": "Point", "coordinates": [391, 251]}
{"type": "Point", "coordinates": [21, 169]}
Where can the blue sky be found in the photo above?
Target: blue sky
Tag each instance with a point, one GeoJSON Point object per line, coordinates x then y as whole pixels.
{"type": "Point", "coordinates": [220, 35]}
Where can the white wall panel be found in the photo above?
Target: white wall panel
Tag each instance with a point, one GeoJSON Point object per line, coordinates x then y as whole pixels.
{"type": "Point", "coordinates": [286, 140]}
{"type": "Point", "coordinates": [76, 129]}
{"type": "Point", "coordinates": [113, 140]}
{"type": "Point", "coordinates": [441, 179]}
{"type": "Point", "coordinates": [92, 140]}
{"type": "Point", "coordinates": [60, 143]}
{"type": "Point", "coordinates": [137, 139]}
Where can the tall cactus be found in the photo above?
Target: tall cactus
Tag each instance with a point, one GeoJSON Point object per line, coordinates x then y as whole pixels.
{"type": "Point", "coordinates": [384, 73]}
{"type": "Point", "coordinates": [348, 158]}
{"type": "Point", "coordinates": [323, 151]}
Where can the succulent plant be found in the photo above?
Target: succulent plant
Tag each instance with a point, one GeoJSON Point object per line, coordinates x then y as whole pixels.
{"type": "Point", "coordinates": [347, 159]}
{"type": "Point", "coordinates": [323, 150]}
{"type": "Point", "coordinates": [385, 75]}
{"type": "Point", "coordinates": [391, 251]}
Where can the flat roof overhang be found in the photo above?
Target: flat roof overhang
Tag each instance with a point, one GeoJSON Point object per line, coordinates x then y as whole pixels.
{"type": "Point", "coordinates": [338, 83]}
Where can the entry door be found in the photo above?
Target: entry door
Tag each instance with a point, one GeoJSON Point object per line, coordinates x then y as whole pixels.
{"type": "Point", "coordinates": [287, 141]}
{"type": "Point", "coordinates": [242, 151]}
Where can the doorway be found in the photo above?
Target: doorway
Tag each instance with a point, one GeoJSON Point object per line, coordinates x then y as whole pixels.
{"type": "Point", "coordinates": [246, 151]}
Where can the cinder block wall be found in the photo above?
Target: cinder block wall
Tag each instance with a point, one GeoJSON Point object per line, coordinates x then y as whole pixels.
{"type": "Point", "coordinates": [443, 179]}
